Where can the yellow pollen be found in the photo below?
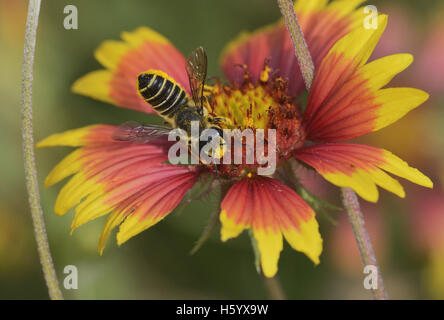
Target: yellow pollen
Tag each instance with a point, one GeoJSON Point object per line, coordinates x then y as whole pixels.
{"type": "Point", "coordinates": [246, 107]}
{"type": "Point", "coordinates": [265, 74]}
{"type": "Point", "coordinates": [248, 123]}
{"type": "Point", "coordinates": [249, 175]}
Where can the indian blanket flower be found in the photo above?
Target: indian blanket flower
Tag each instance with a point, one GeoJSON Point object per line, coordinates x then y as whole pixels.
{"type": "Point", "coordinates": [135, 185]}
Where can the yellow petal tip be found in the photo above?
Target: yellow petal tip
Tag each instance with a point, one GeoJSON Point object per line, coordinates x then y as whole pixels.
{"type": "Point", "coordinates": [306, 239]}
{"type": "Point", "coordinates": [428, 183]}
{"type": "Point", "coordinates": [94, 85]}
{"type": "Point", "coordinates": [230, 229]}
{"type": "Point", "coordinates": [60, 210]}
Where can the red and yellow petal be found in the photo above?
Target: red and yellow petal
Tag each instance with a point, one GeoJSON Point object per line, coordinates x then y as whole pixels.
{"type": "Point", "coordinates": [273, 211]}
{"type": "Point", "coordinates": [361, 168]}
{"type": "Point", "coordinates": [346, 99]}
{"type": "Point", "coordinates": [128, 180]}
{"type": "Point", "coordinates": [323, 24]}
{"type": "Point", "coordinates": [140, 50]}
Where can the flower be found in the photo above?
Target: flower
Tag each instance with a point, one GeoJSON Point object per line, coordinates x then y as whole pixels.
{"type": "Point", "coordinates": [137, 188]}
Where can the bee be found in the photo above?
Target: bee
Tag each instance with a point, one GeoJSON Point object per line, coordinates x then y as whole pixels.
{"type": "Point", "coordinates": [171, 102]}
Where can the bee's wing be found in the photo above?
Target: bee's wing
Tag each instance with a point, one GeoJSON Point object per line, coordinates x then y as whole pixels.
{"type": "Point", "coordinates": [138, 132]}
{"type": "Point", "coordinates": [197, 72]}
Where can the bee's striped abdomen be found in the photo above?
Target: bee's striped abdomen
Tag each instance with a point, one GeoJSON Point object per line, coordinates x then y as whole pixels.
{"type": "Point", "coordinates": [161, 92]}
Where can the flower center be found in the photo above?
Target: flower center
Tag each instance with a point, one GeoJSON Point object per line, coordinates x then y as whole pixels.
{"type": "Point", "coordinates": [263, 104]}
{"type": "Point", "coordinates": [246, 107]}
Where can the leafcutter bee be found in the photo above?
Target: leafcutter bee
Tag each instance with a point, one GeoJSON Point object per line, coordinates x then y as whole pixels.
{"type": "Point", "coordinates": [170, 100]}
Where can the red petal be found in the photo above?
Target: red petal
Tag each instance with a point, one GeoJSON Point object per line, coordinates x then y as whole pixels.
{"type": "Point", "coordinates": [272, 210]}
{"type": "Point", "coordinates": [140, 50]}
{"type": "Point", "coordinates": [346, 99]}
{"type": "Point", "coordinates": [128, 179]}
{"type": "Point", "coordinates": [321, 29]}
{"type": "Point", "coordinates": [360, 167]}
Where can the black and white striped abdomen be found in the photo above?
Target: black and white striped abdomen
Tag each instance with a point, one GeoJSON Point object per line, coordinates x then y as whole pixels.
{"type": "Point", "coordinates": [161, 92]}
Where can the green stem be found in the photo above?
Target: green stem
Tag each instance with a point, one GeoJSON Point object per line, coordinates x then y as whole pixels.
{"type": "Point", "coordinates": [297, 38]}
{"type": "Point", "coordinates": [213, 223]}
{"type": "Point", "coordinates": [365, 246]}
{"type": "Point", "coordinates": [28, 151]}
{"type": "Point", "coordinates": [350, 199]}
{"type": "Point", "coordinates": [274, 288]}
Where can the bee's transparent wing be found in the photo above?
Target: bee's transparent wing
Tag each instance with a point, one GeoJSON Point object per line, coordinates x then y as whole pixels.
{"type": "Point", "coordinates": [138, 132]}
{"type": "Point", "coordinates": [197, 72]}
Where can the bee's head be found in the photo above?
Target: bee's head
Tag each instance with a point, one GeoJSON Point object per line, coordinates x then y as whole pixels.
{"type": "Point", "coordinates": [216, 133]}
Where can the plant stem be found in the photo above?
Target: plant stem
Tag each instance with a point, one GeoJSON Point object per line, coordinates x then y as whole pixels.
{"type": "Point", "coordinates": [274, 288]}
{"type": "Point", "coordinates": [213, 223]}
{"type": "Point", "coordinates": [28, 151]}
{"type": "Point", "coordinates": [368, 256]}
{"type": "Point", "coordinates": [350, 199]}
{"type": "Point", "coordinates": [297, 38]}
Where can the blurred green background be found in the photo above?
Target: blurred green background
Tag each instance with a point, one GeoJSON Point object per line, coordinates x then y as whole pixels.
{"type": "Point", "coordinates": [157, 263]}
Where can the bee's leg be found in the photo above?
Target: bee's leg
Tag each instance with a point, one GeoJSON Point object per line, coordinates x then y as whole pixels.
{"type": "Point", "coordinates": [217, 173]}
{"type": "Point", "coordinates": [215, 169]}
{"type": "Point", "coordinates": [216, 120]}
